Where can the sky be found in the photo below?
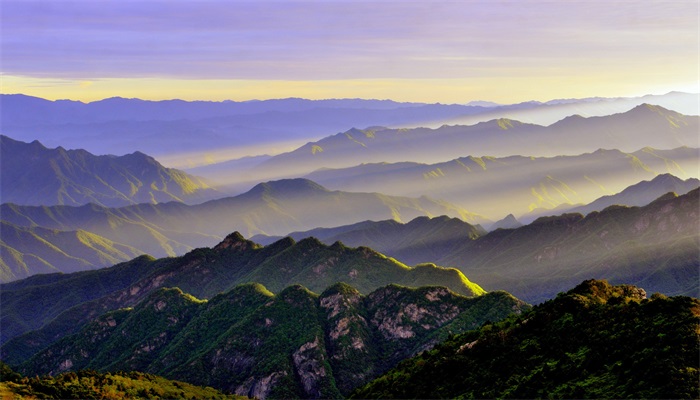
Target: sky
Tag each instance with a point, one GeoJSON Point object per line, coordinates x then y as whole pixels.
{"type": "Point", "coordinates": [425, 51]}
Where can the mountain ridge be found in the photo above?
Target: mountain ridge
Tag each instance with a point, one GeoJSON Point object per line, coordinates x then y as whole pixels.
{"type": "Point", "coordinates": [652, 125]}
{"type": "Point", "coordinates": [528, 183]}
{"type": "Point", "coordinates": [654, 245]}
{"type": "Point", "coordinates": [594, 341]}
{"type": "Point", "coordinates": [241, 350]}
{"type": "Point", "coordinates": [77, 177]}
{"type": "Point", "coordinates": [169, 229]}
{"type": "Point", "coordinates": [204, 272]}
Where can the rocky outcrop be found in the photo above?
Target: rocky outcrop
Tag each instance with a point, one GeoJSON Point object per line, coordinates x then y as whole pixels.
{"type": "Point", "coordinates": [254, 343]}
{"type": "Point", "coordinates": [310, 367]}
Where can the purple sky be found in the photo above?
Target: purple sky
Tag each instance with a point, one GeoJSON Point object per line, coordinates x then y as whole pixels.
{"type": "Point", "coordinates": [633, 46]}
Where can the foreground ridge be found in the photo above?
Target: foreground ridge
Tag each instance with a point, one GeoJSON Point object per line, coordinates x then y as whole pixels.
{"type": "Point", "coordinates": [251, 342]}
{"type": "Point", "coordinates": [595, 341]}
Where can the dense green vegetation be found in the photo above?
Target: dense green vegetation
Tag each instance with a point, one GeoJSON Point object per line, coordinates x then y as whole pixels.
{"type": "Point", "coordinates": [654, 246]}
{"type": "Point", "coordinates": [61, 304]}
{"type": "Point", "coordinates": [252, 342]}
{"type": "Point", "coordinates": [31, 303]}
{"type": "Point", "coordinates": [87, 384]}
{"type": "Point", "coordinates": [595, 341]}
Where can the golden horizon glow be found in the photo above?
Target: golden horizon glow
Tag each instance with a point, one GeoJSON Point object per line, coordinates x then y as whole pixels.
{"type": "Point", "coordinates": [504, 90]}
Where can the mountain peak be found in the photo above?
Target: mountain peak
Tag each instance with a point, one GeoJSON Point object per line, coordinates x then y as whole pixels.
{"type": "Point", "coordinates": [288, 187]}
{"type": "Point", "coordinates": [662, 178]}
{"type": "Point", "coordinates": [601, 291]}
{"type": "Point", "coordinates": [235, 241]}
{"type": "Point", "coordinates": [665, 197]}
{"type": "Point", "coordinates": [646, 108]}
{"type": "Point", "coordinates": [508, 222]}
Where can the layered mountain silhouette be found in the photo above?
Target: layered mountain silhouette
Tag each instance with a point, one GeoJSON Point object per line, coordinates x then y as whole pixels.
{"type": "Point", "coordinates": [642, 193]}
{"type": "Point", "coordinates": [519, 185]}
{"type": "Point", "coordinates": [127, 317]}
{"type": "Point", "coordinates": [508, 222]}
{"type": "Point", "coordinates": [205, 272]}
{"type": "Point", "coordinates": [189, 131]}
{"type": "Point", "coordinates": [595, 341]}
{"type": "Point", "coordinates": [35, 250]}
{"type": "Point", "coordinates": [651, 125]}
{"type": "Point", "coordinates": [654, 246]}
{"type": "Point", "coordinates": [249, 341]}
{"type": "Point", "coordinates": [35, 175]}
{"type": "Point", "coordinates": [170, 229]}
{"type": "Point", "coordinates": [120, 126]}
{"type": "Point", "coordinates": [421, 240]}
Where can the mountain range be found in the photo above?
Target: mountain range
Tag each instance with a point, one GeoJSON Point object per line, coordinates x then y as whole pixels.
{"type": "Point", "coordinates": [387, 222]}
{"type": "Point", "coordinates": [595, 341]}
{"type": "Point", "coordinates": [654, 246]}
{"type": "Point", "coordinates": [169, 229]}
{"type": "Point", "coordinates": [202, 132]}
{"type": "Point", "coordinates": [205, 272]}
{"type": "Point", "coordinates": [527, 187]}
{"type": "Point", "coordinates": [35, 175]}
{"type": "Point", "coordinates": [646, 244]}
{"type": "Point", "coordinates": [142, 315]}
{"type": "Point", "coordinates": [293, 344]}
{"type": "Point", "coordinates": [642, 193]}
{"type": "Point", "coordinates": [26, 251]}
{"type": "Point", "coordinates": [119, 125]}
{"type": "Point", "coordinates": [645, 125]}
{"type": "Point", "coordinates": [421, 240]}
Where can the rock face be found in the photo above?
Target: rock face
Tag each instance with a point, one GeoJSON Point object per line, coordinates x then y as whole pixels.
{"type": "Point", "coordinates": [204, 273]}
{"type": "Point", "coordinates": [594, 341]}
{"type": "Point", "coordinates": [295, 344]}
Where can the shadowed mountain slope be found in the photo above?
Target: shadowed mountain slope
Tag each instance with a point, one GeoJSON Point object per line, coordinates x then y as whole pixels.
{"type": "Point", "coordinates": [647, 124]}
{"type": "Point", "coordinates": [35, 175]}
{"type": "Point", "coordinates": [171, 229]}
{"type": "Point", "coordinates": [31, 250]}
{"type": "Point", "coordinates": [654, 246]}
{"type": "Point", "coordinates": [518, 185]}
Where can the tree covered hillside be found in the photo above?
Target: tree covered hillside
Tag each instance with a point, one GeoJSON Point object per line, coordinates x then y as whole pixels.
{"type": "Point", "coordinates": [595, 341]}
{"type": "Point", "coordinates": [249, 341]}
{"type": "Point", "coordinates": [87, 384]}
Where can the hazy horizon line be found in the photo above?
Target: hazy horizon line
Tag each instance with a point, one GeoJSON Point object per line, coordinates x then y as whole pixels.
{"type": "Point", "coordinates": [387, 99]}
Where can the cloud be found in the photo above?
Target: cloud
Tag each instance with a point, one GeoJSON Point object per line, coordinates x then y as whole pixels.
{"type": "Point", "coordinates": [311, 40]}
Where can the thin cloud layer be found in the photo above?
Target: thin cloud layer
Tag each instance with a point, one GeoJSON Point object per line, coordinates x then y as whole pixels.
{"type": "Point", "coordinates": [343, 40]}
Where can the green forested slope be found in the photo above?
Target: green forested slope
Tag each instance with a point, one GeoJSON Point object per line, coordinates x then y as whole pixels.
{"type": "Point", "coordinates": [88, 384]}
{"type": "Point", "coordinates": [60, 304]}
{"type": "Point", "coordinates": [294, 344]}
{"type": "Point", "coordinates": [595, 341]}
